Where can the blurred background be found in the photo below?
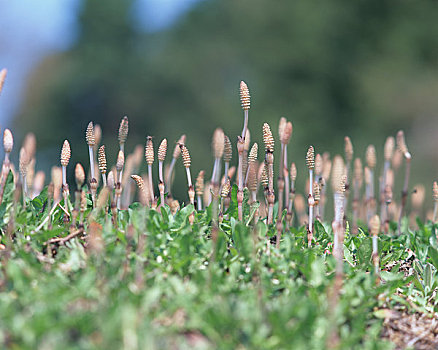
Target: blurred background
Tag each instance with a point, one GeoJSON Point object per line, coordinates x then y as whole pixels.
{"type": "Point", "coordinates": [361, 68]}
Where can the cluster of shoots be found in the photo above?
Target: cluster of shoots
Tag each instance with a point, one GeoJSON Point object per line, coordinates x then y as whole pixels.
{"type": "Point", "coordinates": [254, 179]}
{"type": "Point", "coordinates": [357, 205]}
{"type": "Point", "coordinates": [346, 173]}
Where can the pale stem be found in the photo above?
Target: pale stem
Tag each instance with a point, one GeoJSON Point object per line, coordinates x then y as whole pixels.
{"type": "Point", "coordinates": [376, 255]}
{"type": "Point", "coordinates": [240, 172]}
{"type": "Point", "coordinates": [120, 176]}
{"type": "Point", "coordinates": [310, 207]}
{"type": "Point", "coordinates": [245, 123]}
{"type": "Point", "coordinates": [285, 175]}
{"type": "Point", "coordinates": [213, 173]}
{"type": "Point", "coordinates": [281, 177]}
{"type": "Point", "coordinates": [270, 213]}
{"type": "Point", "coordinates": [64, 175]}
{"type": "Point", "coordinates": [23, 179]}
{"type": "Point", "coordinates": [151, 185]}
{"type": "Point", "coordinates": [310, 182]}
{"type": "Point", "coordinates": [189, 177]}
{"type": "Point", "coordinates": [339, 201]}
{"type": "Point", "coordinates": [160, 171]}
{"type": "Point", "coordinates": [91, 153]}
{"type": "Point", "coordinates": [169, 175]}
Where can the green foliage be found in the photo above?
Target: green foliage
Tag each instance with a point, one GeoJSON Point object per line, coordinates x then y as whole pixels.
{"type": "Point", "coordinates": [159, 281]}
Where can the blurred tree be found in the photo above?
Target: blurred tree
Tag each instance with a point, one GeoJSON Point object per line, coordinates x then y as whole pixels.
{"type": "Point", "coordinates": [333, 68]}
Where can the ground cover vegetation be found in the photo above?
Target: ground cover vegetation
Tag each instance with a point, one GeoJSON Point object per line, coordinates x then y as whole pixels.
{"type": "Point", "coordinates": [242, 262]}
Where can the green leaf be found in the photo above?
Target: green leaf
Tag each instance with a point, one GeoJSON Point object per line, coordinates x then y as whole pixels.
{"type": "Point", "coordinates": [39, 201]}
{"type": "Point", "coordinates": [242, 239]}
{"type": "Point", "coordinates": [433, 253]}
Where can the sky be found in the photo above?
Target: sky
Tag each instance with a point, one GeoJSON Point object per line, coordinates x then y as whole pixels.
{"type": "Point", "coordinates": [29, 32]}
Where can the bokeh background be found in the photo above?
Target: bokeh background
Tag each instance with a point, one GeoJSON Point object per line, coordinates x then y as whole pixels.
{"type": "Point", "coordinates": [334, 68]}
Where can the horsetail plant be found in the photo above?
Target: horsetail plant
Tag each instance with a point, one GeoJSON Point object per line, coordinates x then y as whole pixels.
{"type": "Point", "coordinates": [286, 139]}
{"type": "Point", "coordinates": [317, 198]}
{"type": "Point", "coordinates": [191, 191]}
{"type": "Point", "coordinates": [97, 137]}
{"type": "Point", "coordinates": [91, 141]}
{"type": "Point", "coordinates": [143, 190]}
{"type": "Point", "coordinates": [93, 190]}
{"type": "Point", "coordinates": [293, 177]}
{"type": "Point", "coordinates": [310, 162]}
{"type": "Point", "coordinates": [245, 156]}
{"type": "Point", "coordinates": [388, 152]}
{"type": "Point", "coordinates": [23, 165]}
{"type": "Point", "coordinates": [268, 140]}
{"type": "Point", "coordinates": [252, 172]}
{"type": "Point", "coordinates": [374, 232]}
{"type": "Point", "coordinates": [187, 162]}
{"type": "Point", "coordinates": [401, 145]}
{"type": "Point", "coordinates": [176, 154]}
{"type": "Point", "coordinates": [102, 163]}
{"type": "Point", "coordinates": [149, 155]}
{"type": "Point", "coordinates": [218, 146]}
{"type": "Point", "coordinates": [228, 154]}
{"type": "Point", "coordinates": [338, 172]}
{"type": "Point", "coordinates": [284, 132]}
{"type": "Point", "coordinates": [56, 175]}
{"type": "Point", "coordinates": [264, 183]}
{"type": "Point", "coordinates": [118, 178]}
{"type": "Point", "coordinates": [280, 178]}
{"type": "Point", "coordinates": [252, 181]}
{"type": "Point", "coordinates": [123, 133]}
{"type": "Point", "coordinates": [8, 144]}
{"type": "Point", "coordinates": [370, 156]}
{"type": "Point", "coordinates": [200, 188]}
{"type": "Point", "coordinates": [65, 159]}
{"type": "Point", "coordinates": [245, 101]}
{"type": "Point", "coordinates": [357, 184]}
{"type": "Point", "coordinates": [225, 199]}
{"type": "Point", "coordinates": [162, 150]}
{"type": "Point", "coordinates": [112, 185]}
